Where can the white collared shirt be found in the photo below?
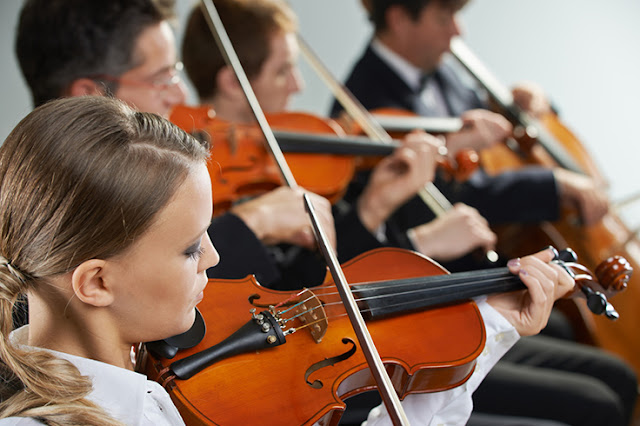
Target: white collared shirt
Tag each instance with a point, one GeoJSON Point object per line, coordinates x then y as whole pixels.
{"type": "Point", "coordinates": [408, 72]}
{"type": "Point", "coordinates": [430, 94]}
{"type": "Point", "coordinates": [125, 395]}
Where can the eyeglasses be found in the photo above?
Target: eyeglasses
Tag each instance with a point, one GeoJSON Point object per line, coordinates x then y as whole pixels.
{"type": "Point", "coordinates": [164, 81]}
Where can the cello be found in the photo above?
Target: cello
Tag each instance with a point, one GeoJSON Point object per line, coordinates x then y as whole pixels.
{"type": "Point", "coordinates": [549, 143]}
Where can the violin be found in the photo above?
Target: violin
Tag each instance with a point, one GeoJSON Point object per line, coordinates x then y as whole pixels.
{"type": "Point", "coordinates": [548, 142]}
{"type": "Point", "coordinates": [297, 357]}
{"type": "Point", "coordinates": [322, 157]}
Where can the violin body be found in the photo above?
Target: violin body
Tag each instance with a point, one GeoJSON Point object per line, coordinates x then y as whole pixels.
{"type": "Point", "coordinates": [241, 166]}
{"type": "Point", "coordinates": [424, 351]}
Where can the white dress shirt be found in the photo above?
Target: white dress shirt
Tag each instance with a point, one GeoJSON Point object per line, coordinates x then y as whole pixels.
{"type": "Point", "coordinates": [125, 395]}
{"type": "Point", "coordinates": [430, 93]}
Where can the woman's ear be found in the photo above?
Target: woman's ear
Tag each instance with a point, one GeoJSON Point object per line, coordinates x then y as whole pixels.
{"type": "Point", "coordinates": [85, 86]}
{"type": "Point", "coordinates": [89, 283]}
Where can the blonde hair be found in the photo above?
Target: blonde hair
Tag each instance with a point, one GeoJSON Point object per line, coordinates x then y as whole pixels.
{"type": "Point", "coordinates": [80, 178]}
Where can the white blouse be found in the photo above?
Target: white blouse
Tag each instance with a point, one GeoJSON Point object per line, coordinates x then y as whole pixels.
{"type": "Point", "coordinates": [126, 395]}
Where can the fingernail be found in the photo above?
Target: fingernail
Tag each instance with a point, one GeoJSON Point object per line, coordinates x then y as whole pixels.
{"type": "Point", "coordinates": [514, 263]}
{"type": "Point", "coordinates": [556, 255]}
{"type": "Point", "coordinates": [523, 272]}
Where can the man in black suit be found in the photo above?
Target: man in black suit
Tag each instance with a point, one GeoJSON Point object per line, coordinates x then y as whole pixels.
{"type": "Point", "coordinates": [404, 67]}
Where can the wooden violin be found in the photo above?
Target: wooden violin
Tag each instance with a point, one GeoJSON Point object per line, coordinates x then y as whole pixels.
{"type": "Point", "coordinates": [321, 156]}
{"type": "Point", "coordinates": [298, 358]}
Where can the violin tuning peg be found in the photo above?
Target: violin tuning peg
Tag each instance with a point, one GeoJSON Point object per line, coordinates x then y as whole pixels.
{"type": "Point", "coordinates": [596, 302]}
{"type": "Point", "coordinates": [568, 255]}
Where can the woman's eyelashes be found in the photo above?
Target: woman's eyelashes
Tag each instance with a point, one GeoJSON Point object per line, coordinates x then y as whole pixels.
{"type": "Point", "coordinates": [195, 251]}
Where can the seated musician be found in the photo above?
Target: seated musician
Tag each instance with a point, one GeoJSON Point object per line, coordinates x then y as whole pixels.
{"type": "Point", "coordinates": [405, 67]}
{"type": "Point", "coordinates": [119, 256]}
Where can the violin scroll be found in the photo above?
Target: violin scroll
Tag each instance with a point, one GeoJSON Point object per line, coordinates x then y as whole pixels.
{"type": "Point", "coordinates": [615, 273]}
{"type": "Point", "coordinates": [611, 276]}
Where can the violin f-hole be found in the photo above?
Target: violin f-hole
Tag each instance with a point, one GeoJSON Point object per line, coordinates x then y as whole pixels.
{"type": "Point", "coordinates": [329, 362]}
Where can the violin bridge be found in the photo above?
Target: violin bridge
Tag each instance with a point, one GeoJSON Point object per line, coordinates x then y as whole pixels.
{"type": "Point", "coordinates": [312, 314]}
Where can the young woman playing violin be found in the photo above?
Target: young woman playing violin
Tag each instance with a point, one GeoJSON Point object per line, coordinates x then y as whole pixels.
{"type": "Point", "coordinates": [117, 255]}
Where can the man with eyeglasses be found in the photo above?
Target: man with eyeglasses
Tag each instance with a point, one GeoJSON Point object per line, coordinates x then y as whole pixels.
{"type": "Point", "coordinates": [123, 49]}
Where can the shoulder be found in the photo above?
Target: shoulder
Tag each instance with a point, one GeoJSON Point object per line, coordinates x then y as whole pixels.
{"type": "Point", "coordinates": [20, 421]}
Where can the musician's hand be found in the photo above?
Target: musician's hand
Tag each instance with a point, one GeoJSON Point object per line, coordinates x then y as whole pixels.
{"type": "Point", "coordinates": [279, 216]}
{"type": "Point", "coordinates": [582, 193]}
{"type": "Point", "coordinates": [458, 232]}
{"type": "Point", "coordinates": [531, 98]}
{"type": "Point", "coordinates": [398, 177]}
{"type": "Point", "coordinates": [481, 129]}
{"type": "Point", "coordinates": [528, 310]}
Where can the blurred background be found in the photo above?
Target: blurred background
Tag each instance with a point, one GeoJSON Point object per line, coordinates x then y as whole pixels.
{"type": "Point", "coordinates": [580, 51]}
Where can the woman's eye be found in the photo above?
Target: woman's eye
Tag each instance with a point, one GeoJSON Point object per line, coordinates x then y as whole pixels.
{"type": "Point", "coordinates": [195, 253]}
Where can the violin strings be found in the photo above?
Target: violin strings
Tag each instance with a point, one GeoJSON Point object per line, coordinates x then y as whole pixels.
{"type": "Point", "coordinates": [450, 284]}
{"type": "Point", "coordinates": [457, 282]}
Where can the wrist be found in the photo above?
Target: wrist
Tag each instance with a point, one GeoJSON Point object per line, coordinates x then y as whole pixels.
{"type": "Point", "coordinates": [419, 237]}
{"type": "Point", "coordinates": [371, 212]}
{"type": "Point", "coordinates": [252, 215]}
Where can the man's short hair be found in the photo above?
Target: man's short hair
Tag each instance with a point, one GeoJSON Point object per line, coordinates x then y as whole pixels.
{"type": "Point", "coordinates": [377, 9]}
{"type": "Point", "coordinates": [59, 41]}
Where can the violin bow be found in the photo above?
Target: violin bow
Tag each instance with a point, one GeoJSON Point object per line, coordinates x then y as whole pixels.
{"type": "Point", "coordinates": [385, 387]}
{"type": "Point", "coordinates": [430, 194]}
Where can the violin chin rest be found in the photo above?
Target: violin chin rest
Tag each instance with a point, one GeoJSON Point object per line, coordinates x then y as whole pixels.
{"type": "Point", "coordinates": [169, 347]}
